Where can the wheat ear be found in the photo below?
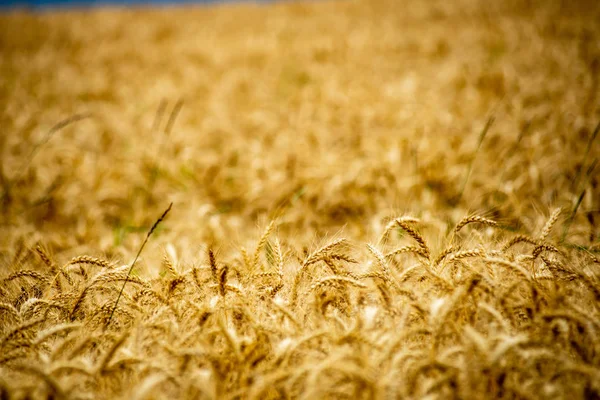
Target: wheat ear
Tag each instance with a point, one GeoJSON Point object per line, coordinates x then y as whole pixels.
{"type": "Point", "coordinates": [261, 243]}
{"type": "Point", "coordinates": [551, 221]}
{"type": "Point", "coordinates": [392, 224]}
{"type": "Point", "coordinates": [474, 219]}
{"type": "Point", "coordinates": [412, 232]}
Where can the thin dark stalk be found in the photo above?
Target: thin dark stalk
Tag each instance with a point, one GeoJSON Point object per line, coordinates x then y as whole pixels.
{"type": "Point", "coordinates": [158, 221]}
{"type": "Point", "coordinates": [155, 128]}
{"type": "Point", "coordinates": [38, 146]}
{"type": "Point", "coordinates": [168, 127]}
{"type": "Point", "coordinates": [575, 184]}
{"type": "Point", "coordinates": [56, 128]}
{"type": "Point", "coordinates": [158, 116]}
{"type": "Point", "coordinates": [173, 117]}
{"type": "Point", "coordinates": [513, 149]}
{"type": "Point", "coordinates": [572, 216]}
{"type": "Point", "coordinates": [482, 135]}
{"type": "Point", "coordinates": [569, 221]}
{"type": "Point", "coordinates": [167, 132]}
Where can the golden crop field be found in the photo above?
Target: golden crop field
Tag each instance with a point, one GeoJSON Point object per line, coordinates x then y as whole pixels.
{"type": "Point", "coordinates": [370, 200]}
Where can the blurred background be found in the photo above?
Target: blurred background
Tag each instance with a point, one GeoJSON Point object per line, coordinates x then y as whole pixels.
{"type": "Point", "coordinates": [52, 4]}
{"type": "Point", "coordinates": [327, 115]}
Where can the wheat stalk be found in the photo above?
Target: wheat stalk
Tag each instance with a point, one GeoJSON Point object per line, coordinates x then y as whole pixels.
{"type": "Point", "coordinates": [158, 221]}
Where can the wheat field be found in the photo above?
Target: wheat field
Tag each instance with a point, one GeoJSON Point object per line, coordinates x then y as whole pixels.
{"type": "Point", "coordinates": [301, 200]}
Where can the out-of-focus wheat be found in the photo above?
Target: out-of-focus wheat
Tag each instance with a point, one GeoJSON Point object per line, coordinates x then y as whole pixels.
{"type": "Point", "coordinates": [354, 134]}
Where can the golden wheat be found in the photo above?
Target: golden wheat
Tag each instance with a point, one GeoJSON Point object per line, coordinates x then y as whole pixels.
{"type": "Point", "coordinates": [329, 164]}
